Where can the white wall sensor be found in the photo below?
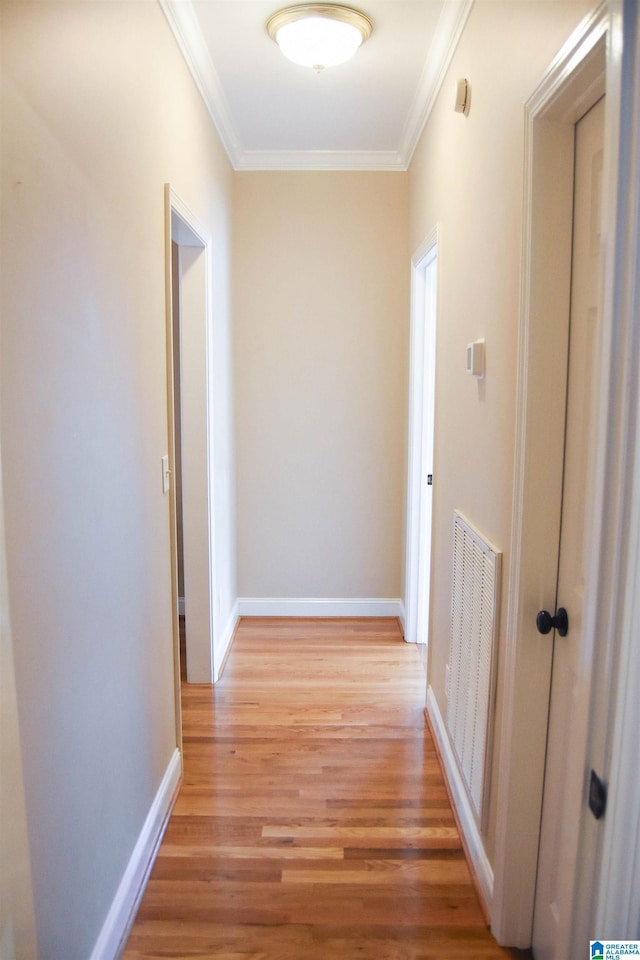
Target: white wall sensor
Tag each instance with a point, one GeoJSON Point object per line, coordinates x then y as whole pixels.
{"type": "Point", "coordinates": [475, 358]}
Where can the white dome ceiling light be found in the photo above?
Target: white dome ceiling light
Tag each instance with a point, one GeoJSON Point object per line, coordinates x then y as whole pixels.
{"type": "Point", "coordinates": [319, 35]}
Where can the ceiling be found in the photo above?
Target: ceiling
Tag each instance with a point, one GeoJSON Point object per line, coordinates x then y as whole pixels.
{"type": "Point", "coordinates": [366, 114]}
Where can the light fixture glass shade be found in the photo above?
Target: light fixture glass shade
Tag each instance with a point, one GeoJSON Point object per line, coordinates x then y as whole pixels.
{"type": "Point", "coordinates": [319, 35]}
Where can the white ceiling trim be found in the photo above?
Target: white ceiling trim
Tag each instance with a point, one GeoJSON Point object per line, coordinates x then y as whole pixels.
{"type": "Point", "coordinates": [451, 23]}
{"type": "Point", "coordinates": [186, 29]}
{"type": "Point", "coordinates": [321, 160]}
{"type": "Point", "coordinates": [188, 34]}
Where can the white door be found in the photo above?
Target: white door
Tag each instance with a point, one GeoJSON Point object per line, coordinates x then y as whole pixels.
{"type": "Point", "coordinates": [430, 267]}
{"type": "Point", "coordinates": [564, 786]}
{"type": "Point", "coordinates": [421, 429]}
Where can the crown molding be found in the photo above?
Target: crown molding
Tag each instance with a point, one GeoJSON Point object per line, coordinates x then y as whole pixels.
{"type": "Point", "coordinates": [188, 34]}
{"type": "Point", "coordinates": [451, 23]}
{"type": "Point", "coordinates": [378, 160]}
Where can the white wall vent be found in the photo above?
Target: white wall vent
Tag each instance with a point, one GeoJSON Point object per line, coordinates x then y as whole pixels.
{"type": "Point", "coordinates": [475, 595]}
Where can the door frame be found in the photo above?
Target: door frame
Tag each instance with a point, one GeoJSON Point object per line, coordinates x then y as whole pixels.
{"type": "Point", "coordinates": [615, 720]}
{"type": "Point", "coordinates": [422, 356]}
{"type": "Point", "coordinates": [562, 879]}
{"type": "Point", "coordinates": [183, 228]}
{"type": "Point", "coordinates": [575, 81]}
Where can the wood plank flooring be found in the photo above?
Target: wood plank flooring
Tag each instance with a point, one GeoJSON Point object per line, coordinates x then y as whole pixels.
{"type": "Point", "coordinates": [313, 820]}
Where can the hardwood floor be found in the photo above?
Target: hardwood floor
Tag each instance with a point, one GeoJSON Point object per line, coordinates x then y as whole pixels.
{"type": "Point", "coordinates": [313, 821]}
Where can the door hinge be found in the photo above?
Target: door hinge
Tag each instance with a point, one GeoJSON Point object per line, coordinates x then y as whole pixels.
{"type": "Point", "coordinates": [429, 479]}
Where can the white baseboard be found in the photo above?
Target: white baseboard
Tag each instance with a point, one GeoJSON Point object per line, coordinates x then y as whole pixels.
{"type": "Point", "coordinates": [473, 839]}
{"type": "Point", "coordinates": [318, 607]}
{"type": "Point", "coordinates": [224, 642]}
{"type": "Point", "coordinates": [122, 913]}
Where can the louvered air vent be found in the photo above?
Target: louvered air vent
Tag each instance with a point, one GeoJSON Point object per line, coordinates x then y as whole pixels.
{"type": "Point", "coordinates": [474, 616]}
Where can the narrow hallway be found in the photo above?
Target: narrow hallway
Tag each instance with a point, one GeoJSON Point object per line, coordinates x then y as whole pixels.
{"type": "Point", "coordinates": [313, 819]}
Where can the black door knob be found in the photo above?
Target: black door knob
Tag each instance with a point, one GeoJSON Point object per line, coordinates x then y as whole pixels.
{"type": "Point", "coordinates": [546, 623]}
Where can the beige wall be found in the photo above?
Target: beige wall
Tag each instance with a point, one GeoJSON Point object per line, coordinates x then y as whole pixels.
{"type": "Point", "coordinates": [466, 176]}
{"type": "Point", "coordinates": [321, 274]}
{"type": "Point", "coordinates": [98, 112]}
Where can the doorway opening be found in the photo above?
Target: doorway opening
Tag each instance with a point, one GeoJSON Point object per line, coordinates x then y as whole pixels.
{"type": "Point", "coordinates": [424, 290]}
{"type": "Point", "coordinates": [188, 392]}
{"type": "Point", "coordinates": [177, 446]}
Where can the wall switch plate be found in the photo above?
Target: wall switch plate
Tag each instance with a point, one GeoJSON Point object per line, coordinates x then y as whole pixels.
{"type": "Point", "coordinates": [166, 474]}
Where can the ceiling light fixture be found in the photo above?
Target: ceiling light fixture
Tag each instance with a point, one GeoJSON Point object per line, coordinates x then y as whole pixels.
{"type": "Point", "coordinates": [319, 35]}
